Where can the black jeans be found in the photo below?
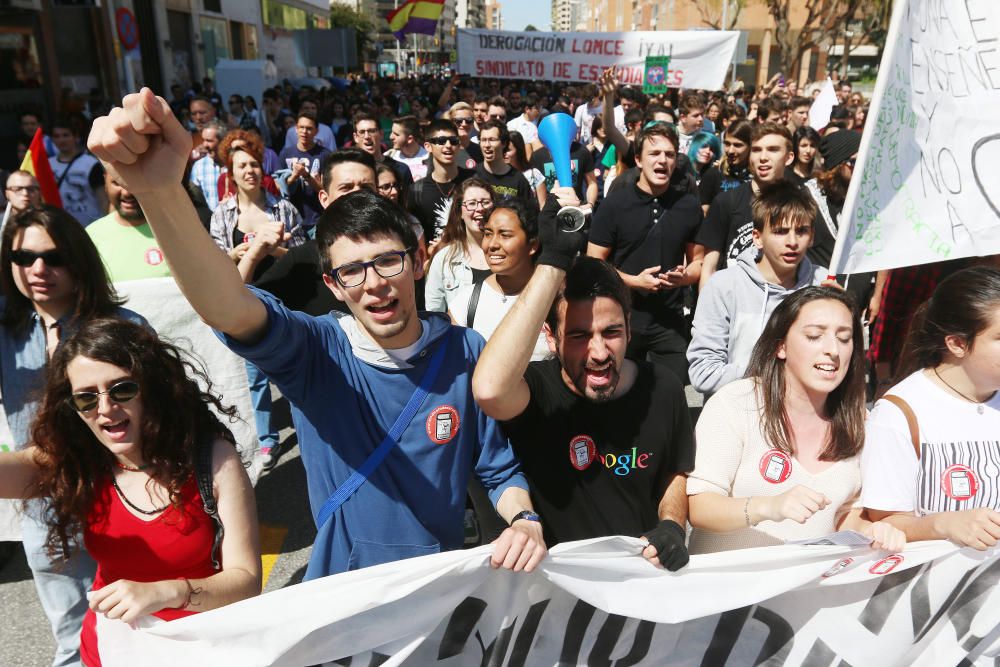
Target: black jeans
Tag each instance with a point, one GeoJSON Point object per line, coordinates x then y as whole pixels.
{"type": "Point", "coordinates": [664, 345]}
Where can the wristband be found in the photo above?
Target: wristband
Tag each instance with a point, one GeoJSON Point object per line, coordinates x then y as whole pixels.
{"type": "Point", "coordinates": [526, 515]}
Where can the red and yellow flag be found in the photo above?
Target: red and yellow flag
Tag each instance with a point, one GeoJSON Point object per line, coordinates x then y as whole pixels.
{"type": "Point", "coordinates": [36, 162]}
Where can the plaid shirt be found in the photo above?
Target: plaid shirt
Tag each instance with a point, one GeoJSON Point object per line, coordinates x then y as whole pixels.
{"type": "Point", "coordinates": [205, 174]}
{"type": "Point", "coordinates": [226, 216]}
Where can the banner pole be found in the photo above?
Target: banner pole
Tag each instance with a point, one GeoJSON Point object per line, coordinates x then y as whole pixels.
{"type": "Point", "coordinates": [844, 227]}
{"type": "Point", "coordinates": [6, 215]}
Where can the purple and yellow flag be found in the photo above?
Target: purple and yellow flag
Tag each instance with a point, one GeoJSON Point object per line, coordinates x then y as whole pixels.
{"type": "Point", "coordinates": [416, 16]}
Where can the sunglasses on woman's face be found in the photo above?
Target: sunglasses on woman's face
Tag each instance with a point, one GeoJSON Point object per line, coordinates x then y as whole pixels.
{"type": "Point", "coordinates": [122, 392]}
{"type": "Point", "coordinates": [27, 258]}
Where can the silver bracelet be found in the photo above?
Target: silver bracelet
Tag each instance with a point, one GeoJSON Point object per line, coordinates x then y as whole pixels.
{"type": "Point", "coordinates": [746, 512]}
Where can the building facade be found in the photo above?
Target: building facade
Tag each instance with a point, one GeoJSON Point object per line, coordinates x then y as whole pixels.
{"type": "Point", "coordinates": [762, 52]}
{"type": "Point", "coordinates": [494, 15]}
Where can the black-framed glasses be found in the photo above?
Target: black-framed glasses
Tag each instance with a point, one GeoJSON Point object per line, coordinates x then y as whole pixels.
{"type": "Point", "coordinates": [388, 187]}
{"type": "Point", "coordinates": [27, 258]}
{"type": "Point", "coordinates": [120, 392]}
{"type": "Point", "coordinates": [441, 141]}
{"type": "Point", "coordinates": [18, 189]}
{"type": "Point", "coordinates": [473, 204]}
{"type": "Point", "coordinates": [387, 265]}
{"type": "Point", "coordinates": [498, 116]}
{"type": "Point", "coordinates": [464, 121]}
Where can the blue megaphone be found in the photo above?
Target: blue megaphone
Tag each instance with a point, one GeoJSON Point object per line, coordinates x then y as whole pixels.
{"type": "Point", "coordinates": [557, 131]}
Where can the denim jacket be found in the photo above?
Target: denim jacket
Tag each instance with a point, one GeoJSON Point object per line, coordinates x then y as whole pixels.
{"type": "Point", "coordinates": [448, 271]}
{"type": "Point", "coordinates": [22, 370]}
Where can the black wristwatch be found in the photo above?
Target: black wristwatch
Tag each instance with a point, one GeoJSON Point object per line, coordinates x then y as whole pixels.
{"type": "Point", "coordinates": [527, 515]}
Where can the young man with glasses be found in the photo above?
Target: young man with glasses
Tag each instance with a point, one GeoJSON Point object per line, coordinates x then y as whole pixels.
{"type": "Point", "coordinates": [368, 137]}
{"type": "Point", "coordinates": [324, 135]}
{"type": "Point", "coordinates": [22, 191]}
{"type": "Point", "coordinates": [430, 197]}
{"type": "Point", "coordinates": [347, 378]}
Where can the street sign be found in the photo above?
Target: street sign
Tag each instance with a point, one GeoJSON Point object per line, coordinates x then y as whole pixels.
{"type": "Point", "coordinates": [128, 29]}
{"type": "Point", "coordinates": [654, 79]}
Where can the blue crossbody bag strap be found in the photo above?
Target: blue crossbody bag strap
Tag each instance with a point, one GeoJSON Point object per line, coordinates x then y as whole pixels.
{"type": "Point", "coordinates": [360, 476]}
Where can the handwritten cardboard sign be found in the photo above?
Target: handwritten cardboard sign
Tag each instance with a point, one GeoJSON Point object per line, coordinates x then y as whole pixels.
{"type": "Point", "coordinates": [925, 189]}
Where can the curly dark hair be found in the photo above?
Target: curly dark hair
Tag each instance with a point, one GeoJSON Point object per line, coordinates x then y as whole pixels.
{"type": "Point", "coordinates": [176, 420]}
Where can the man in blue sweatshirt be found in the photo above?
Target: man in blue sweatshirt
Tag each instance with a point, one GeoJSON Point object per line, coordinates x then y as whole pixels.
{"type": "Point", "coordinates": [738, 300]}
{"type": "Point", "coordinates": [348, 378]}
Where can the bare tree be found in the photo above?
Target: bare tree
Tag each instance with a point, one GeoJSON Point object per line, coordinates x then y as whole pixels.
{"type": "Point", "coordinates": [825, 20]}
{"type": "Point", "coordinates": [714, 13]}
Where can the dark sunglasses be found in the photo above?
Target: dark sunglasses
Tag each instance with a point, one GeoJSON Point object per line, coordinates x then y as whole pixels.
{"type": "Point", "coordinates": [122, 392]}
{"type": "Point", "coordinates": [26, 258]}
{"type": "Point", "coordinates": [464, 121]}
{"type": "Point", "coordinates": [441, 141]}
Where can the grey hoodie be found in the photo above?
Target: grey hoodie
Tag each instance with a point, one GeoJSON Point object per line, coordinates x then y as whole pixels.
{"type": "Point", "coordinates": [731, 314]}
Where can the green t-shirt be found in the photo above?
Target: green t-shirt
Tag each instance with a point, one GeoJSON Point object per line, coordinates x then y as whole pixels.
{"type": "Point", "coordinates": [129, 253]}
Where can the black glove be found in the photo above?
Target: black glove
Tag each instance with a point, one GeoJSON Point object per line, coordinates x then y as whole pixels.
{"type": "Point", "coordinates": [668, 540]}
{"type": "Point", "coordinates": [559, 248]}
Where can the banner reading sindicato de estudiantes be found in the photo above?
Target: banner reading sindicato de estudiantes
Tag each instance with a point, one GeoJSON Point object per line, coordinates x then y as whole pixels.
{"type": "Point", "coordinates": [698, 58]}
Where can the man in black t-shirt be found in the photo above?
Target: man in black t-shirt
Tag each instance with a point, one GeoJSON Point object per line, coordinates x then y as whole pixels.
{"type": "Point", "coordinates": [604, 441]}
{"type": "Point", "coordinates": [430, 197]}
{"type": "Point", "coordinates": [504, 180]}
{"type": "Point", "coordinates": [647, 231]}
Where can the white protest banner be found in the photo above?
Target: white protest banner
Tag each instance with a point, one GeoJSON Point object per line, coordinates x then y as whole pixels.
{"type": "Point", "coordinates": [597, 602]}
{"type": "Point", "coordinates": [160, 301]}
{"type": "Point", "coordinates": [698, 58]}
{"type": "Point", "coordinates": [925, 186]}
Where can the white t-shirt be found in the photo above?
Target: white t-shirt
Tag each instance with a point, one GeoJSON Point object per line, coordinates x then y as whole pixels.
{"type": "Point", "coordinates": [417, 163]}
{"type": "Point", "coordinates": [490, 311]}
{"type": "Point", "coordinates": [959, 465]}
{"type": "Point", "coordinates": [734, 459]}
{"type": "Point", "coordinates": [528, 130]}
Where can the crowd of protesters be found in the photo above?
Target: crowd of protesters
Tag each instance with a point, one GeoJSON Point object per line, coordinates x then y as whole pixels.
{"type": "Point", "coordinates": [461, 368]}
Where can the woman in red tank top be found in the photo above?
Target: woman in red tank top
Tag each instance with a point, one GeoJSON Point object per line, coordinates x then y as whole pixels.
{"type": "Point", "coordinates": [115, 448]}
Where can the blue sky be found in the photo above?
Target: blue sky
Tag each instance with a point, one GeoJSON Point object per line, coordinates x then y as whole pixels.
{"type": "Point", "coordinates": [519, 13]}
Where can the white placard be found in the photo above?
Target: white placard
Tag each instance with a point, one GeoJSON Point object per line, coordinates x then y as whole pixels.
{"type": "Point", "coordinates": [698, 58]}
{"type": "Point", "coordinates": [925, 186]}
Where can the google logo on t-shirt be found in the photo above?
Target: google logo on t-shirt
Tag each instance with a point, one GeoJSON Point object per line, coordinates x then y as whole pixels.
{"type": "Point", "coordinates": [623, 464]}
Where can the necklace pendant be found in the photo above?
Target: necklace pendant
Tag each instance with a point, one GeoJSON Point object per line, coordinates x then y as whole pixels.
{"type": "Point", "coordinates": [980, 409]}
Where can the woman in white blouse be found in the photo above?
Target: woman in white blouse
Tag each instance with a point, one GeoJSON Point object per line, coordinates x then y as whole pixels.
{"type": "Point", "coordinates": [778, 452]}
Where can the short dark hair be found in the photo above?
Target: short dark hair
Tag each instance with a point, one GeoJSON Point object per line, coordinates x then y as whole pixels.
{"type": "Point", "coordinates": [525, 215]}
{"type": "Point", "coordinates": [331, 160]}
{"type": "Point", "coordinates": [764, 129]}
{"type": "Point", "coordinates": [308, 115]}
{"type": "Point", "coordinates": [66, 123]}
{"type": "Point", "coordinates": [440, 125]}
{"type": "Point", "coordinates": [363, 115]}
{"type": "Point", "coordinates": [691, 102]}
{"type": "Point", "coordinates": [481, 99]}
{"type": "Point", "coordinates": [782, 201]}
{"type": "Point", "coordinates": [409, 125]}
{"type": "Point", "coordinates": [362, 215]}
{"type": "Point", "coordinates": [497, 125]}
{"type": "Point", "coordinates": [768, 106]}
{"type": "Point", "coordinates": [199, 98]}
{"type": "Point", "coordinates": [588, 279]}
{"type": "Point", "coordinates": [498, 101]}
{"type": "Point", "coordinates": [659, 129]}
{"type": "Point", "coordinates": [799, 101]}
